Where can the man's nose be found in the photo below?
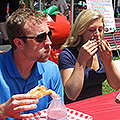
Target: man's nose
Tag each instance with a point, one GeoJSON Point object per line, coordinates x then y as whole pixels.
{"type": "Point", "coordinates": [48, 41]}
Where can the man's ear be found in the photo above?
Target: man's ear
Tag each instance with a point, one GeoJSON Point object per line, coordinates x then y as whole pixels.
{"type": "Point", "coordinates": [18, 42]}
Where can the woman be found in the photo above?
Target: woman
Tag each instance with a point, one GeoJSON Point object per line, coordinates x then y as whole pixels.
{"type": "Point", "coordinates": [86, 60]}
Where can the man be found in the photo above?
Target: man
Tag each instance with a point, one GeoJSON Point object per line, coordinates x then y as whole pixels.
{"type": "Point", "coordinates": [26, 65]}
{"type": "Point", "coordinates": [62, 6]}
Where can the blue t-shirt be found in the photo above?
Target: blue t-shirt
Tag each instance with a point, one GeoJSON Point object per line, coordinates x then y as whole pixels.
{"type": "Point", "coordinates": [92, 80]}
{"type": "Point", "coordinates": [11, 82]}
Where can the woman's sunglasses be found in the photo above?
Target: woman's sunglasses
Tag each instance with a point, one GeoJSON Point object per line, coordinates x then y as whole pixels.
{"type": "Point", "coordinates": [40, 37]}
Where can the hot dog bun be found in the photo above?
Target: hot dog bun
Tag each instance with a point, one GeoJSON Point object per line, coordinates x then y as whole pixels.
{"type": "Point", "coordinates": [41, 91]}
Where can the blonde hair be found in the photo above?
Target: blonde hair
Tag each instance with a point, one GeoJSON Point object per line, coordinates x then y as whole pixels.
{"type": "Point", "coordinates": [81, 23]}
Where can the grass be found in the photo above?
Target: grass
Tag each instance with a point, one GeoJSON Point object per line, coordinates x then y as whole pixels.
{"type": "Point", "coordinates": [105, 86]}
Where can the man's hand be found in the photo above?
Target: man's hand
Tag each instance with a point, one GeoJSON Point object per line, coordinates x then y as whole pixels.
{"type": "Point", "coordinates": [17, 103]}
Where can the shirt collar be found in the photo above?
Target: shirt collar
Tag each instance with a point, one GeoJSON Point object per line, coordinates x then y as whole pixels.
{"type": "Point", "coordinates": [13, 71]}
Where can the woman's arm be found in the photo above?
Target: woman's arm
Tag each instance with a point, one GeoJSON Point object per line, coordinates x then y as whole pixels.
{"type": "Point", "coordinates": [112, 73]}
{"type": "Point", "coordinates": [73, 78]}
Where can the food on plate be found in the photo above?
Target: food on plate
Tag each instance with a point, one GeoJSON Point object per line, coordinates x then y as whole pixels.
{"type": "Point", "coordinates": [41, 91]}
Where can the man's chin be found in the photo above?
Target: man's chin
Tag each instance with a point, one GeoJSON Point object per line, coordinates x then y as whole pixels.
{"type": "Point", "coordinates": [43, 60]}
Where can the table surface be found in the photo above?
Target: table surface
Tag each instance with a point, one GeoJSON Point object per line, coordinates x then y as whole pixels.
{"type": "Point", "coordinates": [103, 107]}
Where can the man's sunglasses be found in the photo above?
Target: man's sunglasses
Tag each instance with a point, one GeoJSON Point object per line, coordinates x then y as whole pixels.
{"type": "Point", "coordinates": [40, 37]}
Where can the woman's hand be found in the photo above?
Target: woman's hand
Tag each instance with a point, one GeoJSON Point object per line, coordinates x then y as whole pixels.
{"type": "Point", "coordinates": [105, 52]}
{"type": "Point", "coordinates": [17, 103]}
{"type": "Point", "coordinates": [87, 51]}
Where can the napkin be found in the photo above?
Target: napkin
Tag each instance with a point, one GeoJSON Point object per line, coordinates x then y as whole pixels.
{"type": "Point", "coordinates": [71, 115]}
{"type": "Point", "coordinates": [118, 97]}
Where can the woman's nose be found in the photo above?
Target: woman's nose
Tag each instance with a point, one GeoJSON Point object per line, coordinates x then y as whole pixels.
{"type": "Point", "coordinates": [96, 32]}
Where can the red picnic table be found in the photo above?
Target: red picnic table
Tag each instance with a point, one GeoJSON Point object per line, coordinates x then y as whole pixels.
{"type": "Point", "coordinates": [103, 107]}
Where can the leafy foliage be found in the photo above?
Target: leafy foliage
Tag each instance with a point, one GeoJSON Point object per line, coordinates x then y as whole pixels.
{"type": "Point", "coordinates": [106, 88]}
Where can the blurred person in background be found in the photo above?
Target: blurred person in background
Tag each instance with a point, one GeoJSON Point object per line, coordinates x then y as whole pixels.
{"type": "Point", "coordinates": [13, 6]}
{"type": "Point", "coordinates": [62, 6]}
{"type": "Point", "coordinates": [29, 3]}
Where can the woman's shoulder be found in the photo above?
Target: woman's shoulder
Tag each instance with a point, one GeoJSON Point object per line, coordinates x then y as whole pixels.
{"type": "Point", "coordinates": [67, 58]}
{"type": "Point", "coordinates": [69, 51]}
